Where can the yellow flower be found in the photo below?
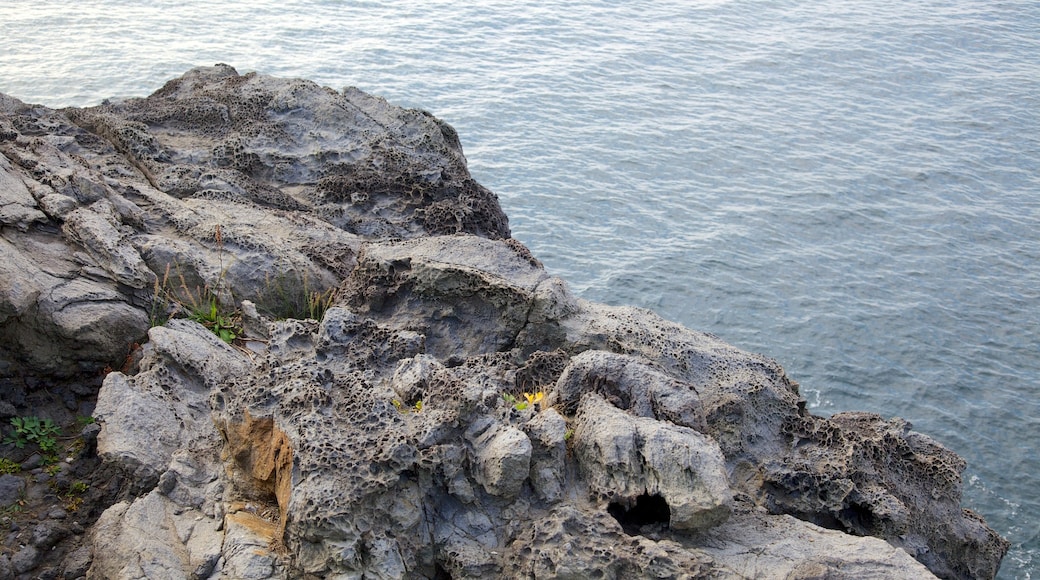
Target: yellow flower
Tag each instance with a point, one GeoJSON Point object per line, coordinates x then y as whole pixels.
{"type": "Point", "coordinates": [535, 398]}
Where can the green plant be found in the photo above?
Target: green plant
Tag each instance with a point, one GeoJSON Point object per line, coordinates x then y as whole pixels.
{"type": "Point", "coordinates": [33, 430]}
{"type": "Point", "coordinates": [532, 399]}
{"type": "Point", "coordinates": [208, 314]}
{"type": "Point", "coordinates": [8, 466]}
{"type": "Point", "coordinates": [72, 498]}
{"type": "Point", "coordinates": [10, 511]}
{"type": "Point", "coordinates": [71, 495]}
{"type": "Point", "coordinates": [84, 420]}
{"type": "Point", "coordinates": [290, 296]}
{"type": "Point", "coordinates": [319, 302]}
{"type": "Point", "coordinates": [199, 303]}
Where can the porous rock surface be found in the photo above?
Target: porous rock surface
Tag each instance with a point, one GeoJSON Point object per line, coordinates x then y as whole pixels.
{"type": "Point", "coordinates": [392, 438]}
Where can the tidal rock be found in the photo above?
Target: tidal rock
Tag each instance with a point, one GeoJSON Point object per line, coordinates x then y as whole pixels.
{"type": "Point", "coordinates": [411, 395]}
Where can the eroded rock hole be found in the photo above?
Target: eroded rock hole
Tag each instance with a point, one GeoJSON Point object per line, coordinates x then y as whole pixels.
{"type": "Point", "coordinates": [647, 510]}
{"type": "Point", "coordinates": [440, 572]}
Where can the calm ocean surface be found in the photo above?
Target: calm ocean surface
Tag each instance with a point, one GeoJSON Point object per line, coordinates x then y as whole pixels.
{"type": "Point", "coordinates": [851, 187]}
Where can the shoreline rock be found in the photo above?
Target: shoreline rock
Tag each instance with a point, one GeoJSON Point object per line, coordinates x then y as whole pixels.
{"type": "Point", "coordinates": [373, 418]}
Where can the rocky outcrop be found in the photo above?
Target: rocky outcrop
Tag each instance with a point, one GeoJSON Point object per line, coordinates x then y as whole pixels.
{"type": "Point", "coordinates": [452, 410]}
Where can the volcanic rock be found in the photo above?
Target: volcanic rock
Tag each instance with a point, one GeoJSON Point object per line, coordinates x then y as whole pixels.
{"type": "Point", "coordinates": [342, 365]}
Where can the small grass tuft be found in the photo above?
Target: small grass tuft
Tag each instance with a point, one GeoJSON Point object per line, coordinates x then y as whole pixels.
{"type": "Point", "coordinates": [9, 467]}
{"type": "Point", "coordinates": [289, 296]}
{"type": "Point", "coordinates": [201, 304]}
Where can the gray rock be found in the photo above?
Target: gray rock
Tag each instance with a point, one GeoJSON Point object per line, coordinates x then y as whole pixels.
{"type": "Point", "coordinates": [632, 384]}
{"type": "Point", "coordinates": [96, 229]}
{"type": "Point", "coordinates": [48, 533]}
{"type": "Point", "coordinates": [624, 457]}
{"type": "Point", "coordinates": [441, 285]}
{"type": "Point", "coordinates": [502, 457]}
{"type": "Point", "coordinates": [17, 206]}
{"type": "Point", "coordinates": [753, 545]}
{"type": "Point", "coordinates": [76, 563]}
{"type": "Point", "coordinates": [375, 422]}
{"type": "Point", "coordinates": [25, 559]}
{"type": "Point", "coordinates": [547, 432]}
{"type": "Point", "coordinates": [246, 551]}
{"type": "Point", "coordinates": [19, 282]}
{"type": "Point", "coordinates": [186, 184]}
{"type": "Point", "coordinates": [180, 541]}
{"type": "Point", "coordinates": [11, 489]}
{"type": "Point", "coordinates": [573, 543]}
{"type": "Point", "coordinates": [57, 514]}
{"type": "Point", "coordinates": [146, 418]}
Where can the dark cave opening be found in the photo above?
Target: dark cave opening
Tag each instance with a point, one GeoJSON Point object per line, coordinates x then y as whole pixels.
{"type": "Point", "coordinates": [440, 573]}
{"type": "Point", "coordinates": [648, 510]}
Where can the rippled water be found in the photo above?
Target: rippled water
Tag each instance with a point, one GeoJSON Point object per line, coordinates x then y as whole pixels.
{"type": "Point", "coordinates": [849, 186]}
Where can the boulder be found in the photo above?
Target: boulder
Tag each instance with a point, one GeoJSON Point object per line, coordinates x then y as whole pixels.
{"type": "Point", "coordinates": [243, 186]}
{"type": "Point", "coordinates": [626, 459]}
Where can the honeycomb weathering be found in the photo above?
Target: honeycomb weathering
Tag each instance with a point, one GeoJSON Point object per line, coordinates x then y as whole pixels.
{"type": "Point", "coordinates": [392, 438]}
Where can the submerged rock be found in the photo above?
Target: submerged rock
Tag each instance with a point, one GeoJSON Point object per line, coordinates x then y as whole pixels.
{"type": "Point", "coordinates": [450, 410]}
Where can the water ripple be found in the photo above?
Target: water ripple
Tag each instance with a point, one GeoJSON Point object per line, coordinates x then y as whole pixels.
{"type": "Point", "coordinates": [850, 187]}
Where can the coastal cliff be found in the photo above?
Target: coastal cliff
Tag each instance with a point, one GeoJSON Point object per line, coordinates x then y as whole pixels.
{"type": "Point", "coordinates": [332, 360]}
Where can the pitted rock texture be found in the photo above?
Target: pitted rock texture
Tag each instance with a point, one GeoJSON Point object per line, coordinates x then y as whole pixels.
{"type": "Point", "coordinates": [454, 413]}
{"type": "Point", "coordinates": [256, 187]}
{"type": "Point", "coordinates": [369, 455]}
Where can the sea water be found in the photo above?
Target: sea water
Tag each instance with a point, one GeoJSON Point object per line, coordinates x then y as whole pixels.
{"type": "Point", "coordinates": [851, 187]}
